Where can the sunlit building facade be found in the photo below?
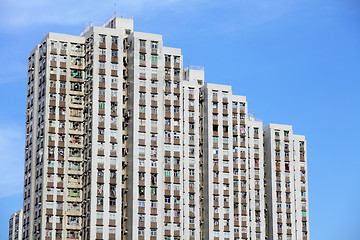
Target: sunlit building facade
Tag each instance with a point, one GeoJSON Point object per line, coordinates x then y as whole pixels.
{"type": "Point", "coordinates": [124, 142]}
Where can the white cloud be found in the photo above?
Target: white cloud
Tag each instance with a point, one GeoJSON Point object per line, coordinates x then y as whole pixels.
{"type": "Point", "coordinates": [249, 14]}
{"type": "Point", "coordinates": [11, 160]}
{"type": "Point", "coordinates": [23, 13]}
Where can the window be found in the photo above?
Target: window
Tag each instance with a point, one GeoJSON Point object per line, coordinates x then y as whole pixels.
{"type": "Point", "coordinates": [141, 135]}
{"type": "Point", "coordinates": [101, 105]}
{"type": "Point", "coordinates": [112, 201]}
{"type": "Point", "coordinates": [153, 110]}
{"type": "Point", "coordinates": [153, 58]}
{"type": "Point", "coordinates": [153, 218]}
{"type": "Point", "coordinates": [167, 58]}
{"type": "Point", "coordinates": [176, 59]}
{"type": "Point", "coordinates": [141, 218]}
{"type": "Point", "coordinates": [154, 84]}
{"type": "Point", "coordinates": [142, 43]}
{"type": "Point", "coordinates": [102, 38]}
{"type": "Point", "coordinates": [191, 102]}
{"type": "Point", "coordinates": [141, 190]}
{"type": "Point", "coordinates": [154, 97]}
{"type": "Point", "coordinates": [141, 203]}
{"type": "Point", "coordinates": [141, 231]}
{"type": "Point", "coordinates": [142, 109]}
{"type": "Point", "coordinates": [114, 39]}
{"type": "Point", "coordinates": [62, 84]}
{"type": "Point", "coordinates": [154, 45]}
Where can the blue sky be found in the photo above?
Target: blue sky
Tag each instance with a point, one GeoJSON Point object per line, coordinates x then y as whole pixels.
{"type": "Point", "coordinates": [297, 61]}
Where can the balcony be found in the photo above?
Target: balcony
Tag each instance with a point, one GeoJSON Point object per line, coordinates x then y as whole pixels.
{"type": "Point", "coordinates": [113, 153]}
{"type": "Point", "coordinates": [63, 52]}
{"type": "Point", "coordinates": [48, 225]}
{"type": "Point", "coordinates": [114, 60]}
{"type": "Point", "coordinates": [153, 90]}
{"type": "Point", "coordinates": [153, 116]}
{"type": "Point", "coordinates": [102, 58]}
{"type": "Point", "coordinates": [142, 50]}
{"type": "Point", "coordinates": [142, 63]}
{"type": "Point", "coordinates": [102, 45]}
{"type": "Point", "coordinates": [53, 51]}
{"type": "Point", "coordinates": [53, 64]}
{"type": "Point", "coordinates": [114, 73]}
{"type": "Point", "coordinates": [142, 89]}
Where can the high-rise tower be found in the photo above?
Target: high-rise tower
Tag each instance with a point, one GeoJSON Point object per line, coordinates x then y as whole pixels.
{"type": "Point", "coordinates": [123, 142]}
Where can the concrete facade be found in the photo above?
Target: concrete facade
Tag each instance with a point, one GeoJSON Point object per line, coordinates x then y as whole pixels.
{"type": "Point", "coordinates": [124, 142]}
{"type": "Point", "coordinates": [287, 188]}
{"type": "Point", "coordinates": [15, 225]}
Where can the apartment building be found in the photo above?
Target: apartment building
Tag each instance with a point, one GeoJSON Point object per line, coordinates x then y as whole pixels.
{"type": "Point", "coordinates": [15, 225]}
{"type": "Point", "coordinates": [123, 142]}
{"type": "Point", "coordinates": [286, 189]}
{"type": "Point", "coordinates": [233, 179]}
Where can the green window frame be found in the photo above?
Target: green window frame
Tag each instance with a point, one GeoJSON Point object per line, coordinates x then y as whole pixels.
{"type": "Point", "coordinates": [102, 105]}
{"type": "Point", "coordinates": [153, 58]}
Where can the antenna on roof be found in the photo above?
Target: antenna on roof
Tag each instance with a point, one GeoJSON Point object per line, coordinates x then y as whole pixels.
{"type": "Point", "coordinates": [115, 9]}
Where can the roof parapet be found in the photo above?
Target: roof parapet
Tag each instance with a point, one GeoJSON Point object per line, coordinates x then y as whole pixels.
{"type": "Point", "coordinates": [106, 24]}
